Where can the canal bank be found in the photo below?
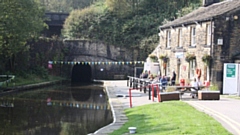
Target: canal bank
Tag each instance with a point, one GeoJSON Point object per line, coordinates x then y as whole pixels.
{"type": "Point", "coordinates": [15, 89]}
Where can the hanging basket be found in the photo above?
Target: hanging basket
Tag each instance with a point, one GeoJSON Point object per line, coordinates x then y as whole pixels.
{"type": "Point", "coordinates": [190, 57]}
{"type": "Point", "coordinates": [153, 57]}
{"type": "Point", "coordinates": [164, 58]}
{"type": "Point", "coordinates": [207, 59]}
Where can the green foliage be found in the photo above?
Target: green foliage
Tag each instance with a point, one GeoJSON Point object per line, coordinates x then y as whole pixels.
{"type": "Point", "coordinates": [19, 21]}
{"type": "Point", "coordinates": [127, 23]}
{"type": "Point", "coordinates": [213, 87]}
{"type": "Point", "coordinates": [82, 23]}
{"type": "Point", "coordinates": [65, 6]}
{"type": "Point", "coordinates": [207, 59]}
{"type": "Point", "coordinates": [189, 57]}
{"type": "Point", "coordinates": [153, 57]}
{"type": "Point", "coordinates": [40, 71]}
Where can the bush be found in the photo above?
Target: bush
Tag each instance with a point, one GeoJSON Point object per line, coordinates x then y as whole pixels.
{"type": "Point", "coordinates": [213, 87]}
{"type": "Point", "coordinates": [170, 89]}
{"type": "Point", "coordinates": [41, 71]}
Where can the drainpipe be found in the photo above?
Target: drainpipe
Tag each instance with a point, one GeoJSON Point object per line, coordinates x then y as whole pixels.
{"type": "Point", "coordinates": [211, 51]}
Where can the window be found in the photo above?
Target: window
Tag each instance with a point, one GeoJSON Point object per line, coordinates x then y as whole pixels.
{"type": "Point", "coordinates": [208, 34]}
{"type": "Point", "coordinates": [180, 38]}
{"type": "Point", "coordinates": [168, 45]}
{"type": "Point", "coordinates": [193, 36]}
{"type": "Point", "coordinates": [192, 68]}
{"type": "Point", "coordinates": [168, 68]}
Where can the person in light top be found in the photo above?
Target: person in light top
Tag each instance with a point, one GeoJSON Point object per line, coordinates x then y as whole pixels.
{"type": "Point", "coordinates": [195, 84]}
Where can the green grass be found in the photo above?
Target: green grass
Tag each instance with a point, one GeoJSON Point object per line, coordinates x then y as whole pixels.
{"type": "Point", "coordinates": [29, 79]}
{"type": "Point", "coordinates": [170, 118]}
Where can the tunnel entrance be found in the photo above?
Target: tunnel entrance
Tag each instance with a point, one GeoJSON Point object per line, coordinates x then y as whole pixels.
{"type": "Point", "coordinates": [81, 73]}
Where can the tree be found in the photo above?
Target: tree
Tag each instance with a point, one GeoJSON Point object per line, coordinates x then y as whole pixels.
{"type": "Point", "coordinates": [65, 6]}
{"type": "Point", "coordinates": [20, 20]}
{"type": "Point", "coordinates": [127, 23]}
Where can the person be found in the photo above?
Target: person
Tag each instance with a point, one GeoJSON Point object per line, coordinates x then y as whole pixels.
{"type": "Point", "coordinates": [144, 75]}
{"type": "Point", "coordinates": [199, 73]}
{"type": "Point", "coordinates": [195, 84]}
{"type": "Point", "coordinates": [173, 78]}
{"type": "Point", "coordinates": [163, 82]}
{"type": "Point", "coordinates": [151, 77]}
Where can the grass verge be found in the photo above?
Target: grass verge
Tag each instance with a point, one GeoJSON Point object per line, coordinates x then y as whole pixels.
{"type": "Point", "coordinates": [170, 118]}
{"type": "Point", "coordinates": [231, 96]}
{"type": "Point", "coordinates": [29, 79]}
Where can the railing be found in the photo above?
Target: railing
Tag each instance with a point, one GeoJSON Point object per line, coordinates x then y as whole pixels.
{"type": "Point", "coordinates": [9, 79]}
{"type": "Point", "coordinates": [141, 83]}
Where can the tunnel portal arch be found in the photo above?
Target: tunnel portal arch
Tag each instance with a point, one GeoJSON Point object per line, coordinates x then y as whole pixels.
{"type": "Point", "coordinates": [81, 73]}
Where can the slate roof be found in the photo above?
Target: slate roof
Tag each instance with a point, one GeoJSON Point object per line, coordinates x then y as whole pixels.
{"type": "Point", "coordinates": [205, 13]}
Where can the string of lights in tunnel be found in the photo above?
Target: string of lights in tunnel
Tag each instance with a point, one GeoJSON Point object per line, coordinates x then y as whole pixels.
{"type": "Point", "coordinates": [96, 62]}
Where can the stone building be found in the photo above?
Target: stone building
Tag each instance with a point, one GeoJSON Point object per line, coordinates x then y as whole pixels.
{"type": "Point", "coordinates": [203, 40]}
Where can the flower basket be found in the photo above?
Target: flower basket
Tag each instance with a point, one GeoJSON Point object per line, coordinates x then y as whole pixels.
{"type": "Point", "coordinates": [153, 57]}
{"type": "Point", "coordinates": [190, 57]}
{"type": "Point", "coordinates": [164, 58]}
{"type": "Point", "coordinates": [207, 59]}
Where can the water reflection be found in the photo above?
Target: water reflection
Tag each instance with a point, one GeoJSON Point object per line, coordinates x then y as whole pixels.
{"type": "Point", "coordinates": [62, 110]}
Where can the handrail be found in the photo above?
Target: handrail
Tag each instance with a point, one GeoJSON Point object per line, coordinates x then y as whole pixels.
{"type": "Point", "coordinates": [7, 81]}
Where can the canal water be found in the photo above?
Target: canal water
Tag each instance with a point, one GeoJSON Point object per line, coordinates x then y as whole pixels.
{"type": "Point", "coordinates": [57, 110]}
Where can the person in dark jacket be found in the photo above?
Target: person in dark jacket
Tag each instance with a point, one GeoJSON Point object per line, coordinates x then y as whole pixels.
{"type": "Point", "coordinates": [173, 78]}
{"type": "Point", "coordinates": [144, 75]}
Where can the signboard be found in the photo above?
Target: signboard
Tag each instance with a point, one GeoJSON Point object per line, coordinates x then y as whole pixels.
{"type": "Point", "coordinates": [231, 78]}
{"type": "Point", "coordinates": [231, 70]}
{"type": "Point", "coordinates": [220, 41]}
{"type": "Point", "coordinates": [179, 54]}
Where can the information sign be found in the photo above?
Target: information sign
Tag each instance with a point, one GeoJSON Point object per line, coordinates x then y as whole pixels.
{"type": "Point", "coordinates": [231, 71]}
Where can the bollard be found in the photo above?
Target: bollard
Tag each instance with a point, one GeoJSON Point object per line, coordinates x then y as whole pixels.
{"type": "Point", "coordinates": [158, 93]}
{"type": "Point", "coordinates": [141, 85]}
{"type": "Point", "coordinates": [130, 97]}
{"type": "Point", "coordinates": [130, 81]}
{"type": "Point", "coordinates": [145, 87]}
{"type": "Point", "coordinates": [152, 86]}
{"type": "Point", "coordinates": [149, 91]}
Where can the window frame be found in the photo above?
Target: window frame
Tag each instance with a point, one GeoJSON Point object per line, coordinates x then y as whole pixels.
{"type": "Point", "coordinates": [192, 67]}
{"type": "Point", "coordinates": [179, 38]}
{"type": "Point", "coordinates": [168, 43]}
{"type": "Point", "coordinates": [208, 34]}
{"type": "Point", "coordinates": [193, 36]}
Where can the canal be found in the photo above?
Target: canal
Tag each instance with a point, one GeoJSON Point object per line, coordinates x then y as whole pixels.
{"type": "Point", "coordinates": [57, 110]}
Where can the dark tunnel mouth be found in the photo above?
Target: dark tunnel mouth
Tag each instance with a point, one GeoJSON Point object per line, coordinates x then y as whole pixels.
{"type": "Point", "coordinates": [81, 73]}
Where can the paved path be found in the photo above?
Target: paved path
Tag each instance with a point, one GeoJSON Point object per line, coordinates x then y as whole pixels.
{"type": "Point", "coordinates": [225, 110]}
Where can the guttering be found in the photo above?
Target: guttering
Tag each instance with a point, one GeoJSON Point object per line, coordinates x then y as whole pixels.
{"type": "Point", "coordinates": [185, 23]}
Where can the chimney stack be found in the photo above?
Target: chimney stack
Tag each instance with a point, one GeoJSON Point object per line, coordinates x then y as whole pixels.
{"type": "Point", "coordinates": [209, 2]}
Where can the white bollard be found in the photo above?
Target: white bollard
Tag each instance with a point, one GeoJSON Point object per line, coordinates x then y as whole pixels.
{"type": "Point", "coordinates": [132, 130]}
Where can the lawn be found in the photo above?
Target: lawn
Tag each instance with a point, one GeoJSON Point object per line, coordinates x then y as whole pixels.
{"type": "Point", "coordinates": [170, 118]}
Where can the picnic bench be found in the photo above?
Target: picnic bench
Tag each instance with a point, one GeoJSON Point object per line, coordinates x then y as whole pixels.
{"type": "Point", "coordinates": [187, 89]}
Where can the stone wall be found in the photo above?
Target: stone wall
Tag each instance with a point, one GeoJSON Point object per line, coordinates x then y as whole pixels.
{"type": "Point", "coordinates": [181, 66]}
{"type": "Point", "coordinates": [87, 51]}
{"type": "Point", "coordinates": [224, 28]}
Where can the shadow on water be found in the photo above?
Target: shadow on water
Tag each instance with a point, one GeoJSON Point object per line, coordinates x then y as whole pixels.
{"type": "Point", "coordinates": [59, 110]}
